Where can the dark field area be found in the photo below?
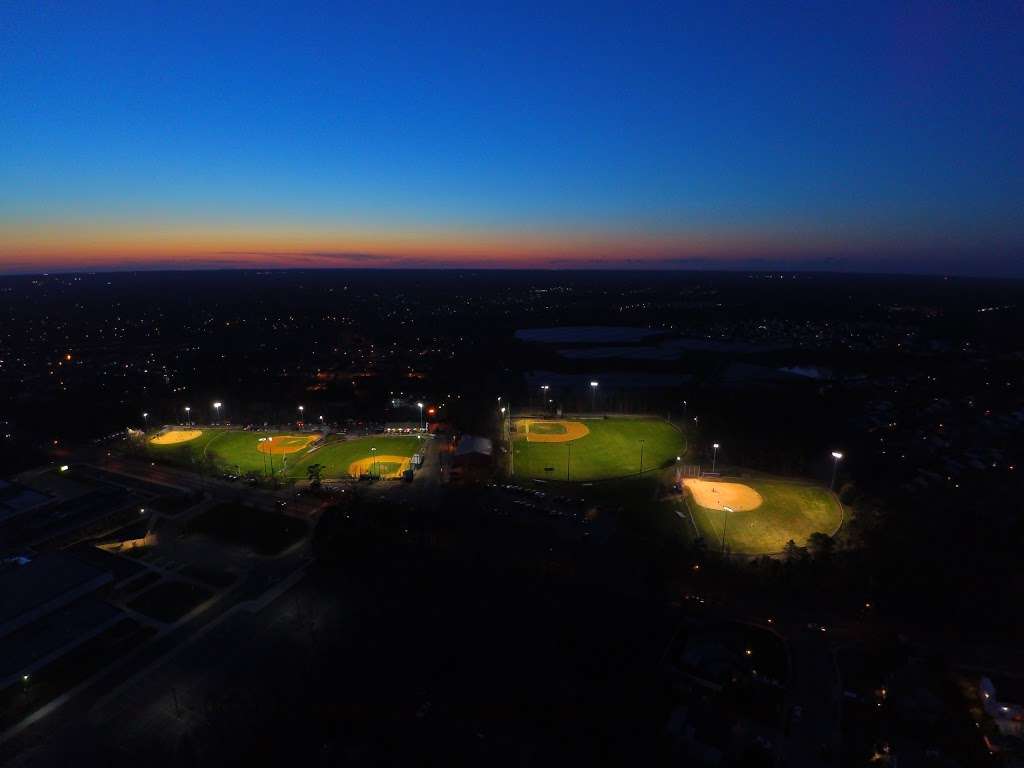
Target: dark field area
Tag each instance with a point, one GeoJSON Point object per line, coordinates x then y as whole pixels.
{"type": "Point", "coordinates": [169, 600]}
{"type": "Point", "coordinates": [265, 533]}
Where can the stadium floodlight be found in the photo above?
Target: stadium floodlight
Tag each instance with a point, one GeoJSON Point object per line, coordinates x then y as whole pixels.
{"type": "Point", "coordinates": [188, 415]}
{"type": "Point", "coordinates": [714, 459]}
{"type": "Point", "coordinates": [216, 410]}
{"type": "Point", "coordinates": [593, 395]}
{"type": "Point", "coordinates": [420, 406]}
{"type": "Point", "coordinates": [836, 458]}
{"type": "Point", "coordinates": [725, 525]}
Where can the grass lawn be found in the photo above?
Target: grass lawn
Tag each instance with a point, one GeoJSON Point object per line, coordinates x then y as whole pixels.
{"type": "Point", "coordinates": [610, 449]}
{"type": "Point", "coordinates": [266, 533]}
{"type": "Point", "coordinates": [790, 510]}
{"type": "Point", "coordinates": [338, 455]}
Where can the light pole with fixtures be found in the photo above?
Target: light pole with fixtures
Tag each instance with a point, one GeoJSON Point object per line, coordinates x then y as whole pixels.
{"type": "Point", "coordinates": [593, 396]}
{"type": "Point", "coordinates": [188, 416]}
{"type": "Point", "coordinates": [725, 525]}
{"type": "Point", "coordinates": [714, 457]}
{"type": "Point", "coordinates": [420, 406]}
{"type": "Point", "coordinates": [836, 458]}
{"type": "Point", "coordinates": [216, 411]}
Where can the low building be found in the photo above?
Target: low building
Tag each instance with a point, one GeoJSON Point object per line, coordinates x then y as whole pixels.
{"type": "Point", "coordinates": [473, 458]}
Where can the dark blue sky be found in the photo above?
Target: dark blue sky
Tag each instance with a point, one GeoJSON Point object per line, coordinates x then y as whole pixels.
{"type": "Point", "coordinates": [865, 135]}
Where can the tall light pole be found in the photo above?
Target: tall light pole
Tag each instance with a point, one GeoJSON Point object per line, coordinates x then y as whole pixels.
{"type": "Point", "coordinates": [641, 457]}
{"type": "Point", "coordinates": [420, 406]}
{"type": "Point", "coordinates": [270, 455]}
{"type": "Point", "coordinates": [188, 415]}
{"type": "Point", "coordinates": [145, 420]}
{"type": "Point", "coordinates": [593, 396]}
{"type": "Point", "coordinates": [836, 458]}
{"type": "Point", "coordinates": [568, 460]}
{"type": "Point", "coordinates": [301, 409]}
{"type": "Point", "coordinates": [216, 411]}
{"type": "Point", "coordinates": [544, 396]}
{"type": "Point", "coordinates": [373, 454]}
{"type": "Point", "coordinates": [725, 526]}
{"type": "Point", "coordinates": [714, 457]}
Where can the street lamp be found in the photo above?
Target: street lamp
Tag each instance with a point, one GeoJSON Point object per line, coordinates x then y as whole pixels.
{"type": "Point", "coordinates": [714, 458]}
{"type": "Point", "coordinates": [725, 525]}
{"type": "Point", "coordinates": [145, 420]}
{"type": "Point", "coordinates": [836, 458]}
{"type": "Point", "coordinates": [420, 406]}
{"type": "Point", "coordinates": [301, 409]}
{"type": "Point", "coordinates": [188, 415]}
{"type": "Point", "coordinates": [593, 395]}
{"type": "Point", "coordinates": [216, 411]}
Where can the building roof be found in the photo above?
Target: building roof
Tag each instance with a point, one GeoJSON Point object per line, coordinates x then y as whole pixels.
{"type": "Point", "coordinates": [16, 498]}
{"type": "Point", "coordinates": [46, 582]}
{"type": "Point", "coordinates": [469, 444]}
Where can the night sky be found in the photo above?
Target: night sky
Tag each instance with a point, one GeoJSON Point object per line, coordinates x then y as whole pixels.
{"type": "Point", "coordinates": [868, 136]}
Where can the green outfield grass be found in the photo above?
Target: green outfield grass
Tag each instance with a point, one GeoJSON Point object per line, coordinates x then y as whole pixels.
{"type": "Point", "coordinates": [337, 455]}
{"type": "Point", "coordinates": [790, 510]}
{"type": "Point", "coordinates": [611, 449]}
{"type": "Point", "coordinates": [231, 450]}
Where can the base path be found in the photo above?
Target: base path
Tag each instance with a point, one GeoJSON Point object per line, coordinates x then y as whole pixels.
{"type": "Point", "coordinates": [716, 495]}
{"type": "Point", "coordinates": [173, 436]}
{"type": "Point", "coordinates": [548, 431]}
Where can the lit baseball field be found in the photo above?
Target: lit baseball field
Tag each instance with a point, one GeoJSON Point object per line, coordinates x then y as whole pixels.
{"type": "Point", "coordinates": [592, 449]}
{"type": "Point", "coordinates": [352, 458]}
{"type": "Point", "coordinates": [767, 512]}
{"type": "Point", "coordinates": [286, 454]}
